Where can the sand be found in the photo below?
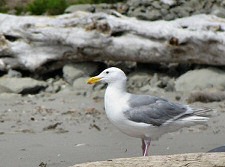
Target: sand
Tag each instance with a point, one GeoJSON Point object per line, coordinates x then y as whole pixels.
{"type": "Point", "coordinates": [64, 129]}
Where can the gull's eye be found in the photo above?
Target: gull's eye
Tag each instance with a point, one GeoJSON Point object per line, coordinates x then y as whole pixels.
{"type": "Point", "coordinates": [107, 72]}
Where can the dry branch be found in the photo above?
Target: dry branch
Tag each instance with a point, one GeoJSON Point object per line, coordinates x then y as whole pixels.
{"type": "Point", "coordinates": [179, 160]}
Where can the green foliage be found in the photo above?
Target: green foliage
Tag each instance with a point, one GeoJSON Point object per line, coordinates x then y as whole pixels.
{"type": "Point", "coordinates": [52, 7]}
{"type": "Point", "coordinates": [3, 8]}
{"type": "Point", "coordinates": [97, 1]}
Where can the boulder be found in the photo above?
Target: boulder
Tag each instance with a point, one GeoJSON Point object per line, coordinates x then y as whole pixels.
{"type": "Point", "coordinates": [201, 79]}
{"type": "Point", "coordinates": [81, 87]}
{"type": "Point", "coordinates": [22, 85]}
{"type": "Point", "coordinates": [82, 7]}
{"type": "Point", "coordinates": [71, 72]}
{"type": "Point", "coordinates": [4, 89]}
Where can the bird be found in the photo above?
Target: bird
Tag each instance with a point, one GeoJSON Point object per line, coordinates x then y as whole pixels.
{"type": "Point", "coordinates": [144, 116]}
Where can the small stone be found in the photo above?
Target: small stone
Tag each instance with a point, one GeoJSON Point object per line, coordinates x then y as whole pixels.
{"type": "Point", "coordinates": [14, 73]}
{"type": "Point", "coordinates": [169, 16]}
{"type": "Point", "coordinates": [153, 15]}
{"type": "Point", "coordinates": [164, 11]}
{"type": "Point", "coordinates": [156, 5]}
{"type": "Point", "coordinates": [178, 98]}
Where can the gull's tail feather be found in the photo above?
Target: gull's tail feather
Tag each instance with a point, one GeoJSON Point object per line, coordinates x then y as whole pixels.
{"type": "Point", "coordinates": [195, 119]}
{"type": "Point", "coordinates": [197, 115]}
{"type": "Point", "coordinates": [203, 112]}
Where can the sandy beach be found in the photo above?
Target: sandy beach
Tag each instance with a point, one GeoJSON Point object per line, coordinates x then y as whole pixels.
{"type": "Point", "coordinates": [65, 129]}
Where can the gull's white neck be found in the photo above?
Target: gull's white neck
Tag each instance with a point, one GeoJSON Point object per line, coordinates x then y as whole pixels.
{"type": "Point", "coordinates": [115, 99]}
{"type": "Point", "coordinates": [115, 90]}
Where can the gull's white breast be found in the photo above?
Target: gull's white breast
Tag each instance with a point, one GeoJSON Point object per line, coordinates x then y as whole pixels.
{"type": "Point", "coordinates": [115, 104]}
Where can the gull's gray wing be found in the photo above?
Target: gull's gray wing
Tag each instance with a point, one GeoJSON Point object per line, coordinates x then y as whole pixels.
{"type": "Point", "coordinates": [153, 110]}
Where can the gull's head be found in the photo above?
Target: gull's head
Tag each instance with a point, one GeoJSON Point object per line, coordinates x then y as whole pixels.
{"type": "Point", "coordinates": [109, 75]}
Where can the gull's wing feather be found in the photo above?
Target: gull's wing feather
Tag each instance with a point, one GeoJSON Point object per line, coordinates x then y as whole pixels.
{"type": "Point", "coordinates": [153, 110]}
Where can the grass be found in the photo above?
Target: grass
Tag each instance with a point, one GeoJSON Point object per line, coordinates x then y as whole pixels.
{"type": "Point", "coordinates": [50, 7]}
{"type": "Point", "coordinates": [97, 1]}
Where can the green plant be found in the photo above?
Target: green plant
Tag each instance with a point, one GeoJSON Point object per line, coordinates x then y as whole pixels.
{"type": "Point", "coordinates": [56, 6]}
{"type": "Point", "coordinates": [97, 1]}
{"type": "Point", "coordinates": [3, 8]}
{"type": "Point", "coordinates": [52, 7]}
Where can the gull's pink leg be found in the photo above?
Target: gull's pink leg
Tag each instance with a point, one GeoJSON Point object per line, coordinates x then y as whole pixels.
{"type": "Point", "coordinates": [145, 146]}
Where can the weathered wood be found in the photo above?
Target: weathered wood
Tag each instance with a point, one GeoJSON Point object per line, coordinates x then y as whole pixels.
{"type": "Point", "coordinates": [28, 42]}
{"type": "Point", "coordinates": [179, 160]}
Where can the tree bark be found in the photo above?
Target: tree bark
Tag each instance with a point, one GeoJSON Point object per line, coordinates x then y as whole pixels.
{"type": "Point", "coordinates": [28, 42]}
{"type": "Point", "coordinates": [179, 160]}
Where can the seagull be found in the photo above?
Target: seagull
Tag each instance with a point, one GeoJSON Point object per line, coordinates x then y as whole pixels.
{"type": "Point", "coordinates": [143, 116]}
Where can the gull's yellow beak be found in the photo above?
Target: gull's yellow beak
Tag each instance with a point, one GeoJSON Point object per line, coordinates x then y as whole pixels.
{"type": "Point", "coordinates": [93, 80]}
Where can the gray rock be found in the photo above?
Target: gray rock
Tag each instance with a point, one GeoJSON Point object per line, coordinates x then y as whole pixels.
{"type": "Point", "coordinates": [165, 6]}
{"type": "Point", "coordinates": [181, 11]}
{"type": "Point", "coordinates": [147, 15]}
{"type": "Point", "coordinates": [164, 11]}
{"type": "Point", "coordinates": [195, 4]}
{"type": "Point", "coordinates": [104, 7]}
{"type": "Point", "coordinates": [134, 3]}
{"type": "Point", "coordinates": [138, 79]}
{"type": "Point", "coordinates": [4, 89]}
{"type": "Point", "coordinates": [14, 73]}
{"type": "Point", "coordinates": [55, 86]}
{"type": "Point", "coordinates": [153, 15]}
{"type": "Point", "coordinates": [22, 85]}
{"type": "Point", "coordinates": [73, 71]}
{"type": "Point", "coordinates": [84, 7]}
{"type": "Point", "coordinates": [202, 79]}
{"type": "Point", "coordinates": [9, 96]}
{"type": "Point", "coordinates": [169, 16]}
{"type": "Point", "coordinates": [122, 8]}
{"type": "Point", "coordinates": [156, 5]}
{"type": "Point", "coordinates": [220, 12]}
{"type": "Point", "coordinates": [80, 85]}
{"type": "Point", "coordinates": [168, 2]}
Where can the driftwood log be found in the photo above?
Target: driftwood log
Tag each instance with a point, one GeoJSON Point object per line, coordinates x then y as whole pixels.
{"type": "Point", "coordinates": [29, 42]}
{"type": "Point", "coordinates": [179, 160]}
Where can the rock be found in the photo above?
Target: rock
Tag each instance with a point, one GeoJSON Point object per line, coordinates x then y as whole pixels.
{"type": "Point", "coordinates": [154, 82]}
{"type": "Point", "coordinates": [205, 97]}
{"type": "Point", "coordinates": [170, 16]}
{"type": "Point", "coordinates": [134, 3]}
{"type": "Point", "coordinates": [164, 11]}
{"type": "Point", "coordinates": [55, 86]}
{"type": "Point", "coordinates": [14, 73]}
{"type": "Point", "coordinates": [122, 8]}
{"type": "Point", "coordinates": [156, 5]}
{"type": "Point", "coordinates": [9, 96]}
{"type": "Point", "coordinates": [138, 79]}
{"type": "Point", "coordinates": [80, 85]}
{"type": "Point", "coordinates": [23, 85]}
{"type": "Point", "coordinates": [168, 2]}
{"type": "Point", "coordinates": [153, 15]}
{"type": "Point", "coordinates": [197, 5]}
{"type": "Point", "coordinates": [181, 11]}
{"type": "Point", "coordinates": [218, 11]}
{"type": "Point", "coordinates": [84, 7]}
{"type": "Point", "coordinates": [201, 80]}
{"type": "Point", "coordinates": [4, 89]}
{"type": "Point", "coordinates": [73, 71]}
